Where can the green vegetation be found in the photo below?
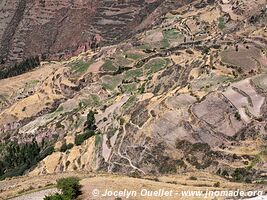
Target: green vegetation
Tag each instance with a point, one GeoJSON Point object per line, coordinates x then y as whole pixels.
{"type": "Point", "coordinates": [89, 129]}
{"type": "Point", "coordinates": [257, 159]}
{"type": "Point", "coordinates": [241, 175]}
{"type": "Point", "coordinates": [108, 66]}
{"type": "Point", "coordinates": [95, 100]}
{"type": "Point", "coordinates": [205, 50]}
{"type": "Point", "coordinates": [59, 109]}
{"type": "Point", "coordinates": [111, 82]}
{"type": "Point", "coordinates": [129, 88]}
{"type": "Point", "coordinates": [133, 73]}
{"type": "Point", "coordinates": [20, 68]}
{"type": "Point", "coordinates": [120, 70]}
{"type": "Point", "coordinates": [142, 88]}
{"type": "Point", "coordinates": [155, 65]}
{"type": "Point", "coordinates": [164, 43]}
{"type": "Point", "coordinates": [66, 147]}
{"type": "Point", "coordinates": [122, 60]}
{"type": "Point", "coordinates": [130, 102]}
{"type": "Point", "coordinates": [82, 104]}
{"type": "Point", "coordinates": [207, 83]}
{"type": "Point", "coordinates": [90, 123]}
{"type": "Point", "coordinates": [145, 46]}
{"type": "Point", "coordinates": [69, 187]}
{"type": "Point", "coordinates": [32, 83]}
{"type": "Point", "coordinates": [134, 56]}
{"type": "Point", "coordinates": [221, 24]}
{"type": "Point", "coordinates": [16, 158]}
{"type": "Point", "coordinates": [108, 86]}
{"type": "Point", "coordinates": [171, 34]}
{"type": "Point", "coordinates": [81, 66]}
{"type": "Point", "coordinates": [237, 116]}
{"type": "Point", "coordinates": [98, 139]}
{"type": "Point", "coordinates": [217, 184]}
{"type": "Point", "coordinates": [45, 152]}
{"type": "Point", "coordinates": [264, 150]}
{"type": "Point", "coordinates": [168, 167]}
{"type": "Point", "coordinates": [225, 173]}
{"type": "Point", "coordinates": [193, 178]}
{"type": "Point", "coordinates": [79, 139]}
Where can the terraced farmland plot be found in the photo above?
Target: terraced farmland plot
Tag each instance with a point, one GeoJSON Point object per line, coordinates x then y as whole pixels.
{"type": "Point", "coordinates": [245, 59]}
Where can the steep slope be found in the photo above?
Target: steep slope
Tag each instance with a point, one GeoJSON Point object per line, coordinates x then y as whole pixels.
{"type": "Point", "coordinates": [187, 95]}
{"type": "Point", "coordinates": [59, 29]}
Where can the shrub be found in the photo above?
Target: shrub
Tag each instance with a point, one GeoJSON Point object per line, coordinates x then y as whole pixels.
{"type": "Point", "coordinates": [56, 197]}
{"type": "Point", "coordinates": [205, 50]}
{"type": "Point", "coordinates": [79, 139]}
{"type": "Point", "coordinates": [90, 122]}
{"type": "Point", "coordinates": [142, 88]}
{"type": "Point", "coordinates": [235, 156]}
{"type": "Point", "coordinates": [89, 129]}
{"type": "Point", "coordinates": [66, 147]}
{"type": "Point", "coordinates": [46, 152]}
{"type": "Point", "coordinates": [193, 178]}
{"type": "Point", "coordinates": [240, 174]}
{"type": "Point", "coordinates": [237, 116]}
{"type": "Point", "coordinates": [225, 173]}
{"type": "Point", "coordinates": [69, 186]}
{"type": "Point", "coordinates": [70, 189]}
{"type": "Point", "coordinates": [221, 24]}
{"type": "Point", "coordinates": [217, 184]}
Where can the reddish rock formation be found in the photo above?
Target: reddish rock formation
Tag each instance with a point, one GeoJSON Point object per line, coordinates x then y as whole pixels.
{"type": "Point", "coordinates": [59, 29]}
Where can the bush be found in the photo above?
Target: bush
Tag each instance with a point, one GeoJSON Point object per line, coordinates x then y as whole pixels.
{"type": "Point", "coordinates": [90, 123]}
{"type": "Point", "coordinates": [240, 174]}
{"type": "Point", "coordinates": [193, 178]}
{"type": "Point", "coordinates": [79, 139]}
{"type": "Point", "coordinates": [66, 147]}
{"type": "Point", "coordinates": [142, 88]}
{"type": "Point", "coordinates": [225, 173]}
{"type": "Point", "coordinates": [56, 197]}
{"type": "Point", "coordinates": [89, 129]}
{"type": "Point", "coordinates": [46, 152]}
{"type": "Point", "coordinates": [217, 184]}
{"type": "Point", "coordinates": [70, 189]}
{"type": "Point", "coordinates": [237, 116]}
{"type": "Point", "coordinates": [221, 24]}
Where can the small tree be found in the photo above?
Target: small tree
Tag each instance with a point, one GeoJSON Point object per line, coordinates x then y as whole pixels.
{"type": "Point", "coordinates": [237, 116]}
{"type": "Point", "coordinates": [79, 139]}
{"type": "Point", "coordinates": [90, 123]}
{"type": "Point", "coordinates": [69, 186]}
{"type": "Point", "coordinates": [217, 184]}
{"type": "Point", "coordinates": [65, 147]}
{"type": "Point", "coordinates": [70, 189]}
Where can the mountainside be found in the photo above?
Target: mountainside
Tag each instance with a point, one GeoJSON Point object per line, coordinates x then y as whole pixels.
{"type": "Point", "coordinates": [186, 95]}
{"type": "Point", "coordinates": [60, 29]}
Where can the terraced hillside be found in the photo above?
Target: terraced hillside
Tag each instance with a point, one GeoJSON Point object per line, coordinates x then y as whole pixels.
{"type": "Point", "coordinates": [187, 95]}
{"type": "Point", "coordinates": [60, 29]}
